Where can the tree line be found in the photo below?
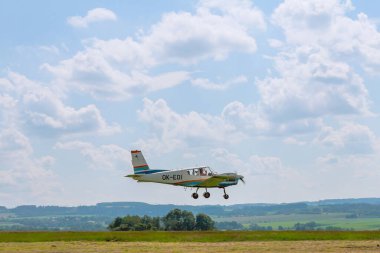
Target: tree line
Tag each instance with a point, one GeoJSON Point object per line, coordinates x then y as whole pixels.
{"type": "Point", "coordinates": [175, 220]}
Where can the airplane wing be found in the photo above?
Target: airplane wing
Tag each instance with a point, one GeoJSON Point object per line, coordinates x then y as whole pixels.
{"type": "Point", "coordinates": [213, 181]}
{"type": "Point", "coordinates": [216, 179]}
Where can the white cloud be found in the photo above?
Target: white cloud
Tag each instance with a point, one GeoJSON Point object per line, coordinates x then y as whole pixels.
{"type": "Point", "coordinates": [326, 24]}
{"type": "Point", "coordinates": [267, 178]}
{"type": "Point", "coordinates": [186, 38]}
{"type": "Point", "coordinates": [294, 141]}
{"type": "Point", "coordinates": [94, 15]}
{"type": "Point", "coordinates": [351, 139]}
{"type": "Point", "coordinates": [12, 142]}
{"type": "Point", "coordinates": [47, 115]}
{"type": "Point", "coordinates": [245, 117]}
{"type": "Point", "coordinates": [8, 107]}
{"type": "Point", "coordinates": [254, 121]}
{"type": "Point", "coordinates": [312, 84]}
{"type": "Point", "coordinates": [99, 71]}
{"type": "Point", "coordinates": [174, 129]}
{"type": "Point", "coordinates": [254, 166]}
{"type": "Point", "coordinates": [21, 174]}
{"type": "Point", "coordinates": [328, 159]}
{"type": "Point", "coordinates": [50, 49]}
{"type": "Point", "coordinates": [241, 11]}
{"type": "Point", "coordinates": [118, 69]}
{"type": "Point", "coordinates": [104, 157]}
{"type": "Point", "coordinates": [230, 160]}
{"type": "Point", "coordinates": [314, 76]}
{"type": "Point", "coordinates": [208, 85]}
{"type": "Point", "coordinates": [42, 111]}
{"type": "Point", "coordinates": [275, 43]}
{"type": "Point", "coordinates": [309, 21]}
{"type": "Point", "coordinates": [354, 175]}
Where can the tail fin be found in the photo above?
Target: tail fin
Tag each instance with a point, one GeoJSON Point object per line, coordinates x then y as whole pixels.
{"type": "Point", "coordinates": [138, 162]}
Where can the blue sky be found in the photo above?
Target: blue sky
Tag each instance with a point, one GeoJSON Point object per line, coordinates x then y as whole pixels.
{"type": "Point", "coordinates": [284, 92]}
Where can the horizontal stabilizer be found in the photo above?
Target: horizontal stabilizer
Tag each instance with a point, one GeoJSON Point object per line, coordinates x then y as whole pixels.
{"type": "Point", "coordinates": [134, 176]}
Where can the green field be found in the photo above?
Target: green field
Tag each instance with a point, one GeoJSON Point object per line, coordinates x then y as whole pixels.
{"type": "Point", "coordinates": [212, 236]}
{"type": "Point", "coordinates": [288, 221]}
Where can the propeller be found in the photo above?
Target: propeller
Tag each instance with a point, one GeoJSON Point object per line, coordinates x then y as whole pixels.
{"type": "Point", "coordinates": [241, 178]}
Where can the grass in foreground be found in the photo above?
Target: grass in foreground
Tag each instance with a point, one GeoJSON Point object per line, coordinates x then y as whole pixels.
{"type": "Point", "coordinates": [198, 247]}
{"type": "Point", "coordinates": [212, 236]}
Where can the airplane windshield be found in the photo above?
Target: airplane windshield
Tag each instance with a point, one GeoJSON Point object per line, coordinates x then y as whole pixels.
{"type": "Point", "coordinates": [201, 171]}
{"type": "Point", "coordinates": [207, 171]}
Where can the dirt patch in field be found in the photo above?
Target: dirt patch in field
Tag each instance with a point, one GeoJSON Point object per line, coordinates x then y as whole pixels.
{"type": "Point", "coordinates": [116, 247]}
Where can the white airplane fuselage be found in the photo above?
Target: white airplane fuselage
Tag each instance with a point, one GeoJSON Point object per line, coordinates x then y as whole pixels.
{"type": "Point", "coordinates": [198, 177]}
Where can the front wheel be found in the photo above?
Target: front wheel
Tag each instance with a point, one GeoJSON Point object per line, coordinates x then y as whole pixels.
{"type": "Point", "coordinates": [206, 195]}
{"type": "Point", "coordinates": [226, 196]}
{"type": "Point", "coordinates": [195, 195]}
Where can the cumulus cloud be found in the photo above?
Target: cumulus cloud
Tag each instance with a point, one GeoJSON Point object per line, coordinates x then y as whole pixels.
{"type": "Point", "coordinates": [326, 24]}
{"type": "Point", "coordinates": [312, 84]}
{"type": "Point", "coordinates": [309, 21]}
{"type": "Point", "coordinates": [311, 80]}
{"type": "Point", "coordinates": [245, 116]}
{"type": "Point", "coordinates": [13, 142]}
{"type": "Point", "coordinates": [92, 74]}
{"type": "Point", "coordinates": [42, 111]}
{"type": "Point", "coordinates": [104, 157]}
{"type": "Point", "coordinates": [350, 139]}
{"type": "Point", "coordinates": [21, 174]}
{"type": "Point", "coordinates": [176, 129]}
{"type": "Point", "coordinates": [94, 15]}
{"type": "Point", "coordinates": [47, 115]}
{"type": "Point", "coordinates": [242, 11]}
{"type": "Point", "coordinates": [119, 69]}
{"type": "Point", "coordinates": [209, 85]}
{"type": "Point", "coordinates": [189, 38]}
{"type": "Point", "coordinates": [313, 75]}
{"type": "Point", "coordinates": [255, 165]}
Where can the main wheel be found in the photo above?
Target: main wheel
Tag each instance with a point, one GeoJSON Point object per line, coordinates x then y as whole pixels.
{"type": "Point", "coordinates": [195, 195]}
{"type": "Point", "coordinates": [206, 195]}
{"type": "Point", "coordinates": [226, 196]}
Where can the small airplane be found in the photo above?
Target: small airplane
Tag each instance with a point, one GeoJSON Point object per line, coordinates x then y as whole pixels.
{"type": "Point", "coordinates": [197, 177]}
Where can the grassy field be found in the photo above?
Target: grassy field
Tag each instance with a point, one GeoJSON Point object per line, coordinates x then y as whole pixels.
{"type": "Point", "coordinates": [200, 242]}
{"type": "Point", "coordinates": [213, 236]}
{"type": "Point", "coordinates": [199, 247]}
{"type": "Point", "coordinates": [288, 221]}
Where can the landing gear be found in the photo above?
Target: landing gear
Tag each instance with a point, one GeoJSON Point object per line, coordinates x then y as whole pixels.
{"type": "Point", "coordinates": [195, 194]}
{"type": "Point", "coordinates": [206, 194]}
{"type": "Point", "coordinates": [225, 194]}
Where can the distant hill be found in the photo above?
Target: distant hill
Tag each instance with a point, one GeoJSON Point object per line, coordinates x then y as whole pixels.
{"type": "Point", "coordinates": [139, 208]}
{"type": "Point", "coordinates": [97, 217]}
{"type": "Point", "coordinates": [375, 201]}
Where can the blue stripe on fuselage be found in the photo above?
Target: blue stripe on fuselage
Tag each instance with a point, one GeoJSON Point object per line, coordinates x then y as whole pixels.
{"type": "Point", "coordinates": [149, 171]}
{"type": "Point", "coordinates": [228, 183]}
